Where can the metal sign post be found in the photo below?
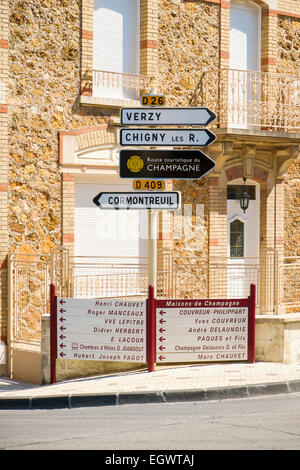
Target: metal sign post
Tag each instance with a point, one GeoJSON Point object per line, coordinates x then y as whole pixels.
{"type": "Point", "coordinates": [152, 249]}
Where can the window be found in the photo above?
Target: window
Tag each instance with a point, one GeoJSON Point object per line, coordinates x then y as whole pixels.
{"type": "Point", "coordinates": [115, 47]}
{"type": "Point", "coordinates": [235, 191]}
{"type": "Point", "coordinates": [244, 35]}
{"type": "Point", "coordinates": [237, 239]}
{"type": "Point", "coordinates": [244, 77]}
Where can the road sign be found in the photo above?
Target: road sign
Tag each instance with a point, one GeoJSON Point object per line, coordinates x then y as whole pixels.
{"type": "Point", "coordinates": [138, 200]}
{"type": "Point", "coordinates": [202, 330]}
{"type": "Point", "coordinates": [164, 164]}
{"type": "Point", "coordinates": [153, 100]}
{"type": "Point", "coordinates": [166, 137]}
{"type": "Point", "coordinates": [167, 116]}
{"type": "Point", "coordinates": [149, 184]}
{"type": "Point", "coordinates": [101, 329]}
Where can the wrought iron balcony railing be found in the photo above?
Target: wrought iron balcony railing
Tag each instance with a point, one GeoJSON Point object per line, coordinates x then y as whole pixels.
{"type": "Point", "coordinates": [251, 100]}
{"type": "Point", "coordinates": [120, 85]}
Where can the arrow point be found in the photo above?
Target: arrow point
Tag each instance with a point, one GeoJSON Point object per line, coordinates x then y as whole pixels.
{"type": "Point", "coordinates": [212, 116]}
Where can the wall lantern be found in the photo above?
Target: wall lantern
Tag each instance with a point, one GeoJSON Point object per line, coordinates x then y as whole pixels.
{"type": "Point", "coordinates": [244, 199]}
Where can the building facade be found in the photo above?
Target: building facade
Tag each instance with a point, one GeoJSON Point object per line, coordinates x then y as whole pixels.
{"type": "Point", "coordinates": [67, 68]}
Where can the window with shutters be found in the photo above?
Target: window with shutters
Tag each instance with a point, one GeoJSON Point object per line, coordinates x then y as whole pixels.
{"type": "Point", "coordinates": [237, 239]}
{"type": "Point", "coordinates": [116, 49]}
{"type": "Point", "coordinates": [244, 72]}
{"type": "Point", "coordinates": [245, 26]}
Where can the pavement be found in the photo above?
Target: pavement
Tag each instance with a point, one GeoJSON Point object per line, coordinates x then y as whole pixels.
{"type": "Point", "coordinates": [166, 384]}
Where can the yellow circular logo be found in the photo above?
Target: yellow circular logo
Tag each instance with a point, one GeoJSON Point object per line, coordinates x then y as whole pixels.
{"type": "Point", "coordinates": [135, 163]}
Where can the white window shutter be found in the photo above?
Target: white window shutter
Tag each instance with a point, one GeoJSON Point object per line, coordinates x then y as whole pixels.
{"type": "Point", "coordinates": [244, 36]}
{"type": "Point", "coordinates": [109, 233]}
{"type": "Point", "coordinates": [116, 36]}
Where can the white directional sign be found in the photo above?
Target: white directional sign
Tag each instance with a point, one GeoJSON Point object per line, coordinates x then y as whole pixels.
{"type": "Point", "coordinates": [166, 116]}
{"type": "Point", "coordinates": [201, 330]}
{"type": "Point", "coordinates": [101, 329]}
{"type": "Point", "coordinates": [166, 137]}
{"type": "Point", "coordinates": [138, 200]}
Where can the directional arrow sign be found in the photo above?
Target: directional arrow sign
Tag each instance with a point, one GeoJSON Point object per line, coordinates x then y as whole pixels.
{"type": "Point", "coordinates": [166, 116]}
{"type": "Point", "coordinates": [96, 329]}
{"type": "Point", "coordinates": [164, 164]}
{"type": "Point", "coordinates": [138, 200]}
{"type": "Point", "coordinates": [167, 137]}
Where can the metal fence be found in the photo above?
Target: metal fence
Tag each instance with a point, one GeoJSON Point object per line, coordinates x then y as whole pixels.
{"type": "Point", "coordinates": [250, 99]}
{"type": "Point", "coordinates": [120, 85]}
{"type": "Point", "coordinates": [278, 284]}
{"type": "Point", "coordinates": [290, 279]}
{"type": "Point", "coordinates": [28, 287]}
{"type": "Point", "coordinates": [214, 277]}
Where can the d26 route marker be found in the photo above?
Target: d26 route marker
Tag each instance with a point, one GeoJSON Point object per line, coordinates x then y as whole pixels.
{"type": "Point", "coordinates": [153, 100]}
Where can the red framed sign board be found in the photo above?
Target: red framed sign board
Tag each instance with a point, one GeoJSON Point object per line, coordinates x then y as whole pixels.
{"type": "Point", "coordinates": [201, 330]}
{"type": "Point", "coordinates": [152, 331]}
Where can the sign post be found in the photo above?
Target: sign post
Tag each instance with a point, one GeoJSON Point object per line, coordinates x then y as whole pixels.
{"type": "Point", "coordinates": [151, 329]}
{"type": "Point", "coordinates": [53, 333]}
{"type": "Point", "coordinates": [171, 164]}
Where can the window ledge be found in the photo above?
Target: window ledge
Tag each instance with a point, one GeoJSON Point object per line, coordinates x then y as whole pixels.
{"type": "Point", "coordinates": [87, 100]}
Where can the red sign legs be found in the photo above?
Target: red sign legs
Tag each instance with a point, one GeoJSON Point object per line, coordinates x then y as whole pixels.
{"type": "Point", "coordinates": [251, 331]}
{"type": "Point", "coordinates": [151, 330]}
{"type": "Point", "coordinates": [53, 334]}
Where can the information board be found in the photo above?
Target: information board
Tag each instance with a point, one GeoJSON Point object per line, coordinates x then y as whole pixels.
{"type": "Point", "coordinates": [101, 330]}
{"type": "Point", "coordinates": [201, 330]}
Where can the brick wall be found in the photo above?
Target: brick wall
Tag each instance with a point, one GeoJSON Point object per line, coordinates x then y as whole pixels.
{"type": "Point", "coordinates": [4, 132]}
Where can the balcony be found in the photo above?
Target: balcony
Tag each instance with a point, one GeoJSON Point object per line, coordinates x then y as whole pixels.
{"type": "Point", "coordinates": [115, 89]}
{"type": "Point", "coordinates": [243, 99]}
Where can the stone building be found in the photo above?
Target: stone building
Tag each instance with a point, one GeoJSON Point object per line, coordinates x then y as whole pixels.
{"type": "Point", "coordinates": [67, 68]}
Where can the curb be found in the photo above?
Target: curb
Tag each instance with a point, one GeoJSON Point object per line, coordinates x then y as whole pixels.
{"type": "Point", "coordinates": [172, 396]}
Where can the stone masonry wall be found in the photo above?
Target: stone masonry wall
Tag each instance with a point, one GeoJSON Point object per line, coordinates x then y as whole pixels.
{"type": "Point", "coordinates": [44, 85]}
{"type": "Point", "coordinates": [188, 45]}
{"type": "Point", "coordinates": [289, 63]}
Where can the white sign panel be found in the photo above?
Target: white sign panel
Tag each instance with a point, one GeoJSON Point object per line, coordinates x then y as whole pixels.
{"type": "Point", "coordinates": [201, 332]}
{"type": "Point", "coordinates": [101, 329]}
{"type": "Point", "coordinates": [139, 200]}
{"type": "Point", "coordinates": [166, 137]}
{"type": "Point", "coordinates": [166, 116]}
